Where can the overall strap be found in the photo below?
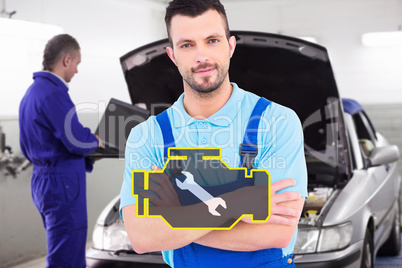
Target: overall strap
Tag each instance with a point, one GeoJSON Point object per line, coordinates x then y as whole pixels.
{"type": "Point", "coordinates": [166, 128]}
{"type": "Point", "coordinates": [248, 149]}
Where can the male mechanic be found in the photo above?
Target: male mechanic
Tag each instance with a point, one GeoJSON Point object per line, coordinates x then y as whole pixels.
{"type": "Point", "coordinates": [55, 142]}
{"type": "Point", "coordinates": [212, 112]}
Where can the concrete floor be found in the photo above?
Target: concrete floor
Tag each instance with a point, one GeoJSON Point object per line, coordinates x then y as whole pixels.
{"type": "Point", "coordinates": [40, 262]}
{"type": "Point", "coordinates": [380, 262]}
{"type": "Point", "coordinates": [389, 262]}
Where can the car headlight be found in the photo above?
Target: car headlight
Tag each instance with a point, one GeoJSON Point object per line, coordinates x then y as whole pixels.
{"type": "Point", "coordinates": [314, 239]}
{"type": "Point", "coordinates": [97, 237]}
{"type": "Point", "coordinates": [111, 238]}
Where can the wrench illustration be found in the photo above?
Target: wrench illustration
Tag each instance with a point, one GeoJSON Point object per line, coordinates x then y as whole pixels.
{"type": "Point", "coordinates": [201, 193]}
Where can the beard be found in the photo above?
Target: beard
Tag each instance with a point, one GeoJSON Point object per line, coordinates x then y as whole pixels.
{"type": "Point", "coordinates": [207, 84]}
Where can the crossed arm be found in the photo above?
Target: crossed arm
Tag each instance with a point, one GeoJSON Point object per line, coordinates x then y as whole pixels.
{"type": "Point", "coordinates": [276, 233]}
{"type": "Point", "coordinates": [153, 234]}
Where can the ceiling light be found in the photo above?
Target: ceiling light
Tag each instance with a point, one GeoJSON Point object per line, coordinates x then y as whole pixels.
{"type": "Point", "coordinates": [27, 29]}
{"type": "Point", "coordinates": [382, 39]}
{"type": "Point", "coordinates": [308, 39]}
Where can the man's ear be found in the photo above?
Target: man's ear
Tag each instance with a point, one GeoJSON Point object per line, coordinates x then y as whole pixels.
{"type": "Point", "coordinates": [232, 45]}
{"type": "Point", "coordinates": [170, 53]}
{"type": "Point", "coordinates": [66, 60]}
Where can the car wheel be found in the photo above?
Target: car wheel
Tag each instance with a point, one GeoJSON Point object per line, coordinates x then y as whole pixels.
{"type": "Point", "coordinates": [367, 259]}
{"type": "Point", "coordinates": [400, 206]}
{"type": "Point", "coordinates": [392, 246]}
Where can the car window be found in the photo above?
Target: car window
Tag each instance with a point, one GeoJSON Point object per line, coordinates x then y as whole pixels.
{"type": "Point", "coordinates": [365, 133]}
{"type": "Point", "coordinates": [353, 140]}
{"type": "Point", "coordinates": [369, 124]}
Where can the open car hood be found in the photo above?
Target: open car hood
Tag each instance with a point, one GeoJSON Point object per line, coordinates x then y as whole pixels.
{"type": "Point", "coordinates": [286, 70]}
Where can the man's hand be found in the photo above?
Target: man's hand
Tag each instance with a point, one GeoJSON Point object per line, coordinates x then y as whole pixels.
{"type": "Point", "coordinates": [100, 144]}
{"type": "Point", "coordinates": [281, 214]}
{"type": "Point", "coordinates": [163, 187]}
{"type": "Point", "coordinates": [277, 232]}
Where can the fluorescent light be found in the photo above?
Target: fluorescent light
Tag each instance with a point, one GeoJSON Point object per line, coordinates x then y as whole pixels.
{"type": "Point", "coordinates": [21, 53]}
{"type": "Point", "coordinates": [382, 39]}
{"type": "Point", "coordinates": [308, 39]}
{"type": "Point", "coordinates": [27, 29]}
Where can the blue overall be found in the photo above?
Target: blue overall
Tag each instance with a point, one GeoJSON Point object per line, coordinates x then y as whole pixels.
{"type": "Point", "coordinates": [195, 255]}
{"type": "Point", "coordinates": [58, 185]}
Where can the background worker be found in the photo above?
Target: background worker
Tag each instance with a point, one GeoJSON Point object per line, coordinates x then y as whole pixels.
{"type": "Point", "coordinates": [55, 142]}
{"type": "Point", "coordinates": [213, 111]}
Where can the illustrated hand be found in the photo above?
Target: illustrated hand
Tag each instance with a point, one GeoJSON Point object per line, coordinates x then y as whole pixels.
{"type": "Point", "coordinates": [281, 214]}
{"type": "Point", "coordinates": [248, 200]}
{"type": "Point", "coordinates": [163, 188]}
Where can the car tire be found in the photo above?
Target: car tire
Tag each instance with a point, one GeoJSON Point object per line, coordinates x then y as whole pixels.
{"type": "Point", "coordinates": [392, 246]}
{"type": "Point", "coordinates": [400, 206]}
{"type": "Point", "coordinates": [368, 252]}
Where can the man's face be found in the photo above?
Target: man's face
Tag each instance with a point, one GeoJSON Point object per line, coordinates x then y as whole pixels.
{"type": "Point", "coordinates": [201, 50]}
{"type": "Point", "coordinates": [72, 66]}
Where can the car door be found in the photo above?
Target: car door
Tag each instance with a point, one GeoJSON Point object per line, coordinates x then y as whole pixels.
{"type": "Point", "coordinates": [380, 179]}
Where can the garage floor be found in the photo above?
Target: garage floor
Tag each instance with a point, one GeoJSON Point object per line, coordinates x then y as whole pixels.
{"type": "Point", "coordinates": [389, 262]}
{"type": "Point", "coordinates": [40, 262]}
{"type": "Point", "coordinates": [380, 262]}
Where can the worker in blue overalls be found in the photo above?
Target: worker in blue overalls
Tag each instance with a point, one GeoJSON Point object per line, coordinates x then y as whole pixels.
{"type": "Point", "coordinates": [55, 142]}
{"type": "Point", "coordinates": [213, 112]}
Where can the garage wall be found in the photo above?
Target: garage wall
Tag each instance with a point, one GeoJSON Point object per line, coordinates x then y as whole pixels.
{"type": "Point", "coordinates": [387, 119]}
{"type": "Point", "coordinates": [22, 236]}
{"type": "Point", "coordinates": [370, 75]}
{"type": "Point", "coordinates": [21, 233]}
{"type": "Point", "coordinates": [107, 29]}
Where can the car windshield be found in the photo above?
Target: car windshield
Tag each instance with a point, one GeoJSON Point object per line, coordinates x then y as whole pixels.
{"type": "Point", "coordinates": [327, 161]}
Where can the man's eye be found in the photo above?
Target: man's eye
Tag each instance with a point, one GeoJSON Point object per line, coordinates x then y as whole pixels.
{"type": "Point", "coordinates": [213, 41]}
{"type": "Point", "coordinates": [185, 46]}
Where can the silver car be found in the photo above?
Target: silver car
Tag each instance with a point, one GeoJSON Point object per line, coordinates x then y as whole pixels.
{"type": "Point", "coordinates": [353, 209]}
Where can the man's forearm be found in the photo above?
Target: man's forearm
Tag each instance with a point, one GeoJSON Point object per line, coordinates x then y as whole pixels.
{"type": "Point", "coordinates": [152, 233]}
{"type": "Point", "coordinates": [249, 237]}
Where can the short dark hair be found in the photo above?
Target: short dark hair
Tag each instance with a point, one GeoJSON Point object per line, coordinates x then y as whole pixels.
{"type": "Point", "coordinates": [56, 48]}
{"type": "Point", "coordinates": [194, 8]}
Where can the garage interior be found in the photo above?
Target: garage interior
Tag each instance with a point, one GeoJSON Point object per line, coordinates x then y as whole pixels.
{"type": "Point", "coordinates": [108, 29]}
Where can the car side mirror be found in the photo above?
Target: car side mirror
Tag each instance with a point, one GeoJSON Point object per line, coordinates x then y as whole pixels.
{"type": "Point", "coordinates": [384, 155]}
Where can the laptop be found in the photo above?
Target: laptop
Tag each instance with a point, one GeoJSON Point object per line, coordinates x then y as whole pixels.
{"type": "Point", "coordinates": [115, 126]}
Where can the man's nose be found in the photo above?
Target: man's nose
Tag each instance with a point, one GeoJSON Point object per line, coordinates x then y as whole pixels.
{"type": "Point", "coordinates": [202, 54]}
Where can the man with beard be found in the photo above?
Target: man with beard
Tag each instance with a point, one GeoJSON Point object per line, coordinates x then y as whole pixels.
{"type": "Point", "coordinates": [213, 112]}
